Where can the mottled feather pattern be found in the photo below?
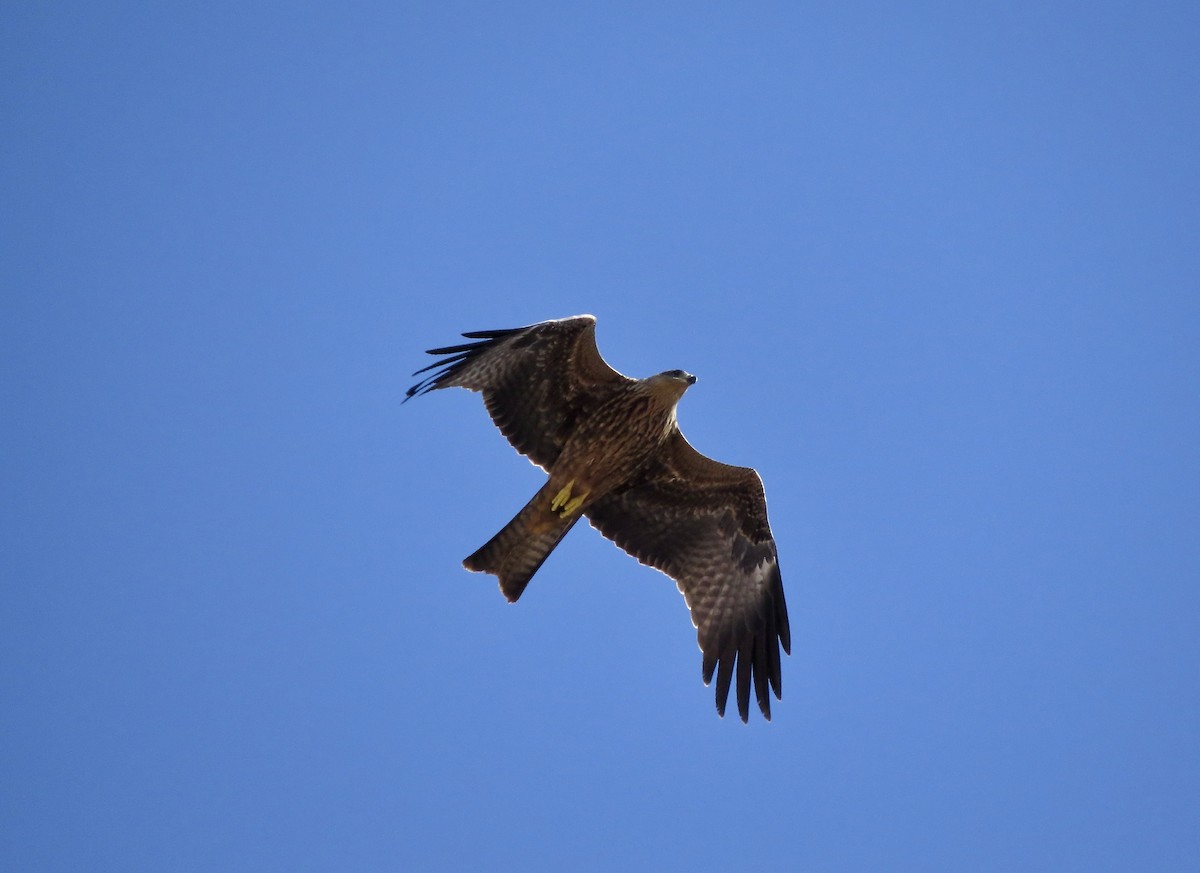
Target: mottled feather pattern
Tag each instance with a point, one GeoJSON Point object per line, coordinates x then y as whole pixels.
{"type": "Point", "coordinates": [730, 579]}
{"type": "Point", "coordinates": [536, 380]}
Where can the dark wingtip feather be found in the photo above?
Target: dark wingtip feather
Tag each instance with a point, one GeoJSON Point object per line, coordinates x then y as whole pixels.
{"type": "Point", "coordinates": [445, 362]}
{"type": "Point", "coordinates": [743, 684]}
{"type": "Point", "coordinates": [449, 350]}
{"type": "Point", "coordinates": [724, 677]}
{"type": "Point", "coordinates": [774, 669]}
{"type": "Point", "coordinates": [782, 627]}
{"type": "Point", "coordinates": [458, 356]}
{"type": "Point", "coordinates": [753, 661]}
{"type": "Point", "coordinates": [762, 672]}
{"type": "Point", "coordinates": [495, 334]}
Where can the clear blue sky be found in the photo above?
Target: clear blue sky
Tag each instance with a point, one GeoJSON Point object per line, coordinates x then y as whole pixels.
{"type": "Point", "coordinates": [936, 266]}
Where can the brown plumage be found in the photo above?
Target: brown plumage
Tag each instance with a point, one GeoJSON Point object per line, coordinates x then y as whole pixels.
{"type": "Point", "coordinates": [615, 455]}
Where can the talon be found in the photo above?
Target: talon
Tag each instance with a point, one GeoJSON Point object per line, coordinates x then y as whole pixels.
{"type": "Point", "coordinates": [561, 498]}
{"type": "Point", "coordinates": [573, 505]}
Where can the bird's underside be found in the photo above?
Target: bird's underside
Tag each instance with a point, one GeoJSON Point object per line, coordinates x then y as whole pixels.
{"type": "Point", "coordinates": [615, 456]}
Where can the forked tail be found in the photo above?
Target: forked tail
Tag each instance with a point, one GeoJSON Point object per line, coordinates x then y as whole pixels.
{"type": "Point", "coordinates": [522, 546]}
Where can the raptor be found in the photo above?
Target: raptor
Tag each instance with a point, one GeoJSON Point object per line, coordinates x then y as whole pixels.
{"type": "Point", "coordinates": [614, 454]}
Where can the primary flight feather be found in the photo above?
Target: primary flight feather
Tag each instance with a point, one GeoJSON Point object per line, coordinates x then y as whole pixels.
{"type": "Point", "coordinates": [615, 456]}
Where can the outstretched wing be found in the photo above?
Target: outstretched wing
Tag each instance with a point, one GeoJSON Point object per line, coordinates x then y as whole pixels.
{"type": "Point", "coordinates": [536, 381]}
{"type": "Point", "coordinates": [704, 524]}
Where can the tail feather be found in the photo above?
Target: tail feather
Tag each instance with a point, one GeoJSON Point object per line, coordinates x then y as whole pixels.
{"type": "Point", "coordinates": [522, 546]}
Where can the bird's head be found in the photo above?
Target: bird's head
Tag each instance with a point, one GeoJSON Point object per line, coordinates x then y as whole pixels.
{"type": "Point", "coordinates": [670, 384]}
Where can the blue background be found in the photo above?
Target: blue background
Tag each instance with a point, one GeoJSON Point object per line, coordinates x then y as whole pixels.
{"type": "Point", "coordinates": [935, 265]}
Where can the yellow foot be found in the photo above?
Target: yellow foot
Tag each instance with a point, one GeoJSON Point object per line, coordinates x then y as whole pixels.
{"type": "Point", "coordinates": [566, 505]}
{"type": "Point", "coordinates": [561, 498]}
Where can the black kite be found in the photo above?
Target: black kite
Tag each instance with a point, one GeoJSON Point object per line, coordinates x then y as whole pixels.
{"type": "Point", "coordinates": [615, 455]}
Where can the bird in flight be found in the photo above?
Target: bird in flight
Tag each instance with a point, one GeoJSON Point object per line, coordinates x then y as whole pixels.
{"type": "Point", "coordinates": [614, 454]}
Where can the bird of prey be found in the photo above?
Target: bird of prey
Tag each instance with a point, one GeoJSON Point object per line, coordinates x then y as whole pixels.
{"type": "Point", "coordinates": [615, 455]}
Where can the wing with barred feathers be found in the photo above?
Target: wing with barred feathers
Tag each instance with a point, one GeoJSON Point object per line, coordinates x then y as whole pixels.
{"type": "Point", "coordinates": [536, 381]}
{"type": "Point", "coordinates": [704, 524]}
